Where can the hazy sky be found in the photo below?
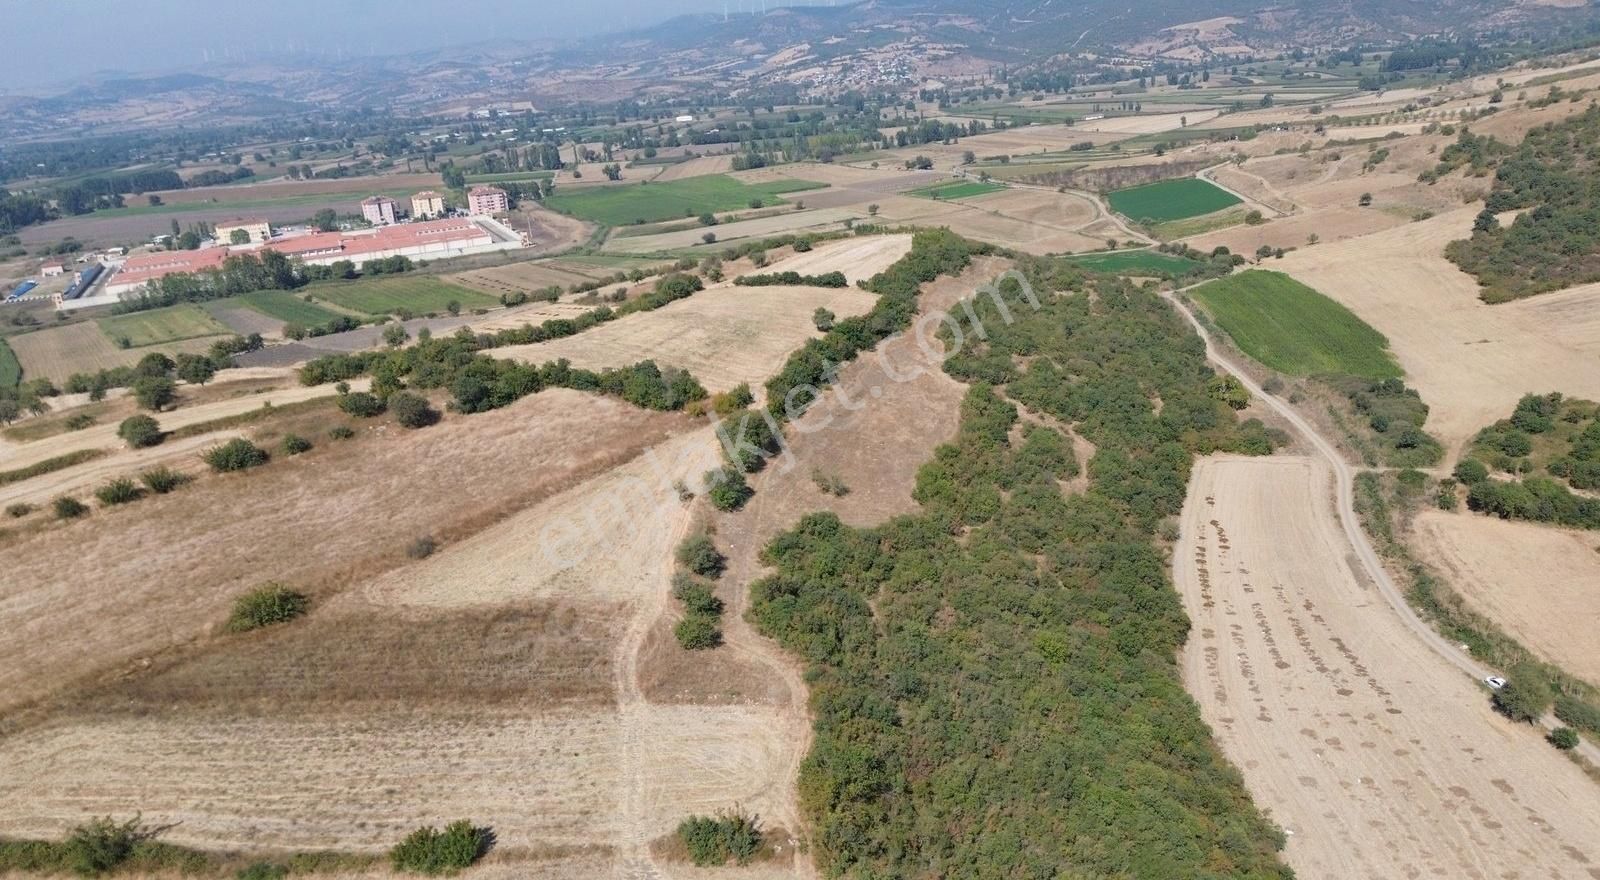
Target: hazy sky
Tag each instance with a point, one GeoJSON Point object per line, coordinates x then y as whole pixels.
{"type": "Point", "coordinates": [48, 41]}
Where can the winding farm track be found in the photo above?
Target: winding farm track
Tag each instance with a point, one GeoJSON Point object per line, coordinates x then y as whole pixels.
{"type": "Point", "coordinates": [1344, 498]}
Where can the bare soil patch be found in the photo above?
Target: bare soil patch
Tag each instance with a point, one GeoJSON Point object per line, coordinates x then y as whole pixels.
{"type": "Point", "coordinates": [1378, 759]}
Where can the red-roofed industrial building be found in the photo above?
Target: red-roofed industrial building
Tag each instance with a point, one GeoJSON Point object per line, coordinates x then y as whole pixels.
{"type": "Point", "coordinates": [435, 239]}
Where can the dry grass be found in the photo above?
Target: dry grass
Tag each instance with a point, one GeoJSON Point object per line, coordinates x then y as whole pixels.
{"type": "Point", "coordinates": [1379, 759]}
{"type": "Point", "coordinates": [726, 335]}
{"type": "Point", "coordinates": [89, 599]}
{"type": "Point", "coordinates": [1470, 361]}
{"type": "Point", "coordinates": [1536, 582]}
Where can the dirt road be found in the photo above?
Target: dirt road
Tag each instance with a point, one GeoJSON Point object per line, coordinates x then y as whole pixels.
{"type": "Point", "coordinates": [1376, 759]}
{"type": "Point", "coordinates": [1370, 565]}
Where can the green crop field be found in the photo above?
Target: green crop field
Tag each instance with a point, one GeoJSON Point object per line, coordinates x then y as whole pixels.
{"type": "Point", "coordinates": [956, 189]}
{"type": "Point", "coordinates": [10, 368]}
{"type": "Point", "coordinates": [1294, 329]}
{"type": "Point", "coordinates": [153, 327]}
{"type": "Point", "coordinates": [419, 295]}
{"type": "Point", "coordinates": [1135, 263]}
{"type": "Point", "coordinates": [284, 306]}
{"type": "Point", "coordinates": [673, 200]}
{"type": "Point", "coordinates": [1171, 200]}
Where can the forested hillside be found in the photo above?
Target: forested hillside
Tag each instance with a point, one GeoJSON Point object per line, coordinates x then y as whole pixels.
{"type": "Point", "coordinates": [994, 679]}
{"type": "Point", "coordinates": [1554, 177]}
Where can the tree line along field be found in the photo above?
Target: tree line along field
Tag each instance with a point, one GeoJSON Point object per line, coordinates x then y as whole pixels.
{"type": "Point", "coordinates": [1293, 329]}
{"type": "Point", "coordinates": [155, 326]}
{"type": "Point", "coordinates": [673, 200]}
{"type": "Point", "coordinates": [1171, 200]}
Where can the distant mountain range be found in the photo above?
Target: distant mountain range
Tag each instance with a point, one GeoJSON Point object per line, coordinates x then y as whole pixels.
{"type": "Point", "coordinates": [874, 43]}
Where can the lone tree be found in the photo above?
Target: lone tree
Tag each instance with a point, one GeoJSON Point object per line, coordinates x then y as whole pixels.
{"type": "Point", "coordinates": [155, 393]}
{"type": "Point", "coordinates": [140, 431]}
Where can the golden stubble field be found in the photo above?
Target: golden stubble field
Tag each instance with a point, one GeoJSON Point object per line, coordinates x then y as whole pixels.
{"type": "Point", "coordinates": [1540, 584]}
{"type": "Point", "coordinates": [1375, 757]}
{"type": "Point", "coordinates": [726, 334]}
{"type": "Point", "coordinates": [92, 598]}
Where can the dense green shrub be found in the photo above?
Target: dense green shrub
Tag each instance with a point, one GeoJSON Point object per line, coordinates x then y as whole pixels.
{"type": "Point", "coordinates": [264, 606]}
{"type": "Point", "coordinates": [727, 489]}
{"type": "Point", "coordinates": [235, 455]}
{"type": "Point", "coordinates": [361, 404]}
{"type": "Point", "coordinates": [119, 491]}
{"type": "Point", "coordinates": [140, 431]}
{"type": "Point", "coordinates": [712, 841]}
{"type": "Point", "coordinates": [262, 871]}
{"type": "Point", "coordinates": [431, 851]}
{"type": "Point", "coordinates": [67, 507]}
{"type": "Point", "coordinates": [1577, 713]}
{"type": "Point", "coordinates": [698, 632]}
{"type": "Point", "coordinates": [1563, 738]}
{"type": "Point", "coordinates": [341, 432]}
{"type": "Point", "coordinates": [412, 411]}
{"type": "Point", "coordinates": [155, 393]}
{"type": "Point", "coordinates": [422, 547]}
{"type": "Point", "coordinates": [1525, 696]}
{"type": "Point", "coordinates": [294, 444]}
{"type": "Point", "coordinates": [162, 480]}
{"type": "Point", "coordinates": [699, 554]}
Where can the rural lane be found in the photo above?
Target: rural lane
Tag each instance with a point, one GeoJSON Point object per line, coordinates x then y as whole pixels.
{"type": "Point", "coordinates": [1344, 495]}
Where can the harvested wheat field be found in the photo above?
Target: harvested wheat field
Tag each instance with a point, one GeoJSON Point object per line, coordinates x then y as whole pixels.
{"type": "Point", "coordinates": [90, 597]}
{"type": "Point", "coordinates": [695, 168]}
{"type": "Point", "coordinates": [1038, 222]}
{"type": "Point", "coordinates": [55, 353]}
{"type": "Point", "coordinates": [725, 334]}
{"type": "Point", "coordinates": [521, 277]}
{"type": "Point", "coordinates": [1539, 583]}
{"type": "Point", "coordinates": [1470, 361]}
{"type": "Point", "coordinates": [1377, 758]}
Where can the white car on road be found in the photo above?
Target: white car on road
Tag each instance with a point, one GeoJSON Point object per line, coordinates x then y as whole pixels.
{"type": "Point", "coordinates": [1495, 682]}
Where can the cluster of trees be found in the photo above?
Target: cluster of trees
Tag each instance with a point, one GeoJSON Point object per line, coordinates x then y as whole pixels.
{"type": "Point", "coordinates": [1555, 173]}
{"type": "Point", "coordinates": [1538, 499]}
{"type": "Point", "coordinates": [715, 840]}
{"type": "Point", "coordinates": [827, 279]}
{"type": "Point", "coordinates": [1395, 414]}
{"type": "Point", "coordinates": [1478, 153]}
{"type": "Point", "coordinates": [1569, 450]}
{"type": "Point", "coordinates": [700, 564]}
{"type": "Point", "coordinates": [939, 640]}
{"type": "Point", "coordinates": [479, 383]}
